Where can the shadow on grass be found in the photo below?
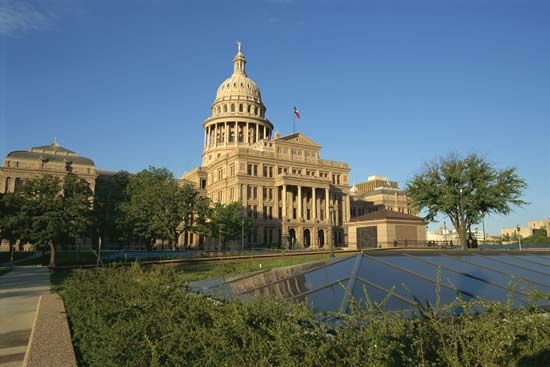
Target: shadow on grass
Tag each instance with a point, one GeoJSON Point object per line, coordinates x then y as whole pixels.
{"type": "Point", "coordinates": [541, 359]}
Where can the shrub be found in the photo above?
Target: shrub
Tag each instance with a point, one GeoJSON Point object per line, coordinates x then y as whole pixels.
{"type": "Point", "coordinates": [134, 317]}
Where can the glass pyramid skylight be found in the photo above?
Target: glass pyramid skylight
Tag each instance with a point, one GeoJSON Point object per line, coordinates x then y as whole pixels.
{"type": "Point", "coordinates": [403, 280]}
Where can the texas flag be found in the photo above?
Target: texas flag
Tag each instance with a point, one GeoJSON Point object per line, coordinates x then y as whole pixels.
{"type": "Point", "coordinates": [296, 112]}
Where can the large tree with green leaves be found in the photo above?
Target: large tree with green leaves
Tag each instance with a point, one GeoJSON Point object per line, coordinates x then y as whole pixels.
{"type": "Point", "coordinates": [466, 189]}
{"type": "Point", "coordinates": [229, 222]}
{"type": "Point", "coordinates": [110, 193]}
{"type": "Point", "coordinates": [160, 208]}
{"type": "Point", "coordinates": [13, 222]}
{"type": "Point", "coordinates": [57, 211]}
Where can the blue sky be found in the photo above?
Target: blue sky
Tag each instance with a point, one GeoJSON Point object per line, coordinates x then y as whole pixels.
{"type": "Point", "coordinates": [383, 85]}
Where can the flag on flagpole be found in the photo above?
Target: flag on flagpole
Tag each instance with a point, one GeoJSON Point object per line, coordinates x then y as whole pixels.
{"type": "Point", "coordinates": [296, 112]}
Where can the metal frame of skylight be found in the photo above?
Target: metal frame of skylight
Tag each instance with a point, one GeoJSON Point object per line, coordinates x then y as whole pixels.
{"type": "Point", "coordinates": [514, 265]}
{"type": "Point", "coordinates": [253, 274]}
{"type": "Point", "coordinates": [388, 292]}
{"type": "Point", "coordinates": [299, 274]}
{"type": "Point", "coordinates": [328, 285]}
{"type": "Point", "coordinates": [461, 259]}
{"type": "Point", "coordinates": [539, 257]}
{"type": "Point", "coordinates": [422, 276]}
{"type": "Point", "coordinates": [522, 258]}
{"type": "Point", "coordinates": [463, 274]}
{"type": "Point", "coordinates": [352, 280]}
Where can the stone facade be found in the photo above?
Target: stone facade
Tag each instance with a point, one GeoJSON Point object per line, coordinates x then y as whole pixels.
{"type": "Point", "coordinates": [296, 197]}
{"type": "Point", "coordinates": [52, 159]}
{"type": "Point", "coordinates": [386, 228]}
{"type": "Point", "coordinates": [379, 192]}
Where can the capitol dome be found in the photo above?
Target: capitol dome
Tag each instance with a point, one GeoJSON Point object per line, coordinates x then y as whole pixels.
{"type": "Point", "coordinates": [237, 116]}
{"type": "Point", "coordinates": [238, 85]}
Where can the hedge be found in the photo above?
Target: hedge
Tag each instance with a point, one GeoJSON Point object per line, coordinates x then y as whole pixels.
{"type": "Point", "coordinates": [136, 317]}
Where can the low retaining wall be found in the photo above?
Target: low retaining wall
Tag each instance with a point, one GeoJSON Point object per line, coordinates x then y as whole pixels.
{"type": "Point", "coordinates": [50, 342]}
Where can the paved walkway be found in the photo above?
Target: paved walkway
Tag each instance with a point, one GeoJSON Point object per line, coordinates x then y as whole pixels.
{"type": "Point", "coordinates": [20, 290]}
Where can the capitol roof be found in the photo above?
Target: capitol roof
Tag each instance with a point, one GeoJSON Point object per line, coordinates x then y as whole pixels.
{"type": "Point", "coordinates": [53, 153]}
{"type": "Point", "coordinates": [238, 85]}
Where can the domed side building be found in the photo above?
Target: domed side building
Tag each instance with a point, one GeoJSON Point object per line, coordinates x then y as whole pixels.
{"type": "Point", "coordinates": [296, 197]}
{"type": "Point", "coordinates": [52, 159]}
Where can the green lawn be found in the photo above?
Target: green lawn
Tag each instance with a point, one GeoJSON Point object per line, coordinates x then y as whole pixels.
{"type": "Point", "coordinates": [194, 272]}
{"type": "Point", "coordinates": [5, 256]}
{"type": "Point", "coordinates": [190, 273]}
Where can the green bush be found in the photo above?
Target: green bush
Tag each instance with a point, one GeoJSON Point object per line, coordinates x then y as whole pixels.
{"type": "Point", "coordinates": [133, 317]}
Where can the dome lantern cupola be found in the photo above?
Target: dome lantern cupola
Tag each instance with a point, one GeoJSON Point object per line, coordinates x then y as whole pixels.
{"type": "Point", "coordinates": [239, 61]}
{"type": "Point", "coordinates": [238, 114]}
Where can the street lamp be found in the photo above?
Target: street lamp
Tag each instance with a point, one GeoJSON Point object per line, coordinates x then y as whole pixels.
{"type": "Point", "coordinates": [462, 229]}
{"type": "Point", "coordinates": [519, 236]}
{"type": "Point", "coordinates": [331, 247]}
{"type": "Point", "coordinates": [483, 224]}
{"type": "Point", "coordinates": [445, 231]}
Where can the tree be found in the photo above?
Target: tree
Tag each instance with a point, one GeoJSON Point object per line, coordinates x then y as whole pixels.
{"type": "Point", "coordinates": [539, 236]}
{"type": "Point", "coordinates": [13, 223]}
{"type": "Point", "coordinates": [108, 197]}
{"type": "Point", "coordinates": [158, 208]}
{"type": "Point", "coordinates": [57, 212]}
{"type": "Point", "coordinates": [229, 222]}
{"type": "Point", "coordinates": [466, 190]}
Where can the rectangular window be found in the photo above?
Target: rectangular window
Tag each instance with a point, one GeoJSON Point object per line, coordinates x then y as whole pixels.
{"type": "Point", "coordinates": [232, 170]}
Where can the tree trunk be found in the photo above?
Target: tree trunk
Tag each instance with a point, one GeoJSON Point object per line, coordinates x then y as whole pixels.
{"type": "Point", "coordinates": [52, 255]}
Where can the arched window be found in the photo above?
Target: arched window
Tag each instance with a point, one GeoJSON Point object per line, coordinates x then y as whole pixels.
{"type": "Point", "coordinates": [256, 110]}
{"type": "Point", "coordinates": [224, 108]}
{"type": "Point", "coordinates": [232, 107]}
{"type": "Point", "coordinates": [219, 109]}
{"type": "Point", "coordinates": [241, 107]}
{"type": "Point", "coordinates": [248, 109]}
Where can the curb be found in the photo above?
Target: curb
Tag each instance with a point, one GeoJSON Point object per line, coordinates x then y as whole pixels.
{"type": "Point", "coordinates": [50, 342]}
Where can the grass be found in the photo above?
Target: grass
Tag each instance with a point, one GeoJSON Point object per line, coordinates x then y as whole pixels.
{"type": "Point", "coordinates": [5, 256]}
{"type": "Point", "coordinates": [4, 270]}
{"type": "Point", "coordinates": [193, 272]}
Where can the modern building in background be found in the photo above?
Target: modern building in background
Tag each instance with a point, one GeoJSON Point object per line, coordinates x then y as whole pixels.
{"type": "Point", "coordinates": [526, 231]}
{"type": "Point", "coordinates": [380, 192]}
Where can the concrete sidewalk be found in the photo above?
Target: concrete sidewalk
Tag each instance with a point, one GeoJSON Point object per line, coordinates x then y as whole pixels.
{"type": "Point", "coordinates": [20, 290]}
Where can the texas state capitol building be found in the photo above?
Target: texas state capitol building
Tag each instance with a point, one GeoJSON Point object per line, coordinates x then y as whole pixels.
{"type": "Point", "coordinates": [294, 195]}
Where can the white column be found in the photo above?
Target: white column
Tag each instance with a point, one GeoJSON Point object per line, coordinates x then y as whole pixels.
{"type": "Point", "coordinates": [215, 135]}
{"type": "Point", "coordinates": [313, 205]}
{"type": "Point", "coordinates": [327, 213]}
{"type": "Point", "coordinates": [299, 216]}
{"type": "Point", "coordinates": [226, 137]}
{"type": "Point", "coordinates": [265, 132]}
{"type": "Point", "coordinates": [205, 135]}
{"type": "Point", "coordinates": [348, 209]}
{"type": "Point", "coordinates": [276, 201]}
{"type": "Point", "coordinates": [261, 202]}
{"type": "Point", "coordinates": [284, 201]}
{"type": "Point", "coordinates": [257, 133]}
